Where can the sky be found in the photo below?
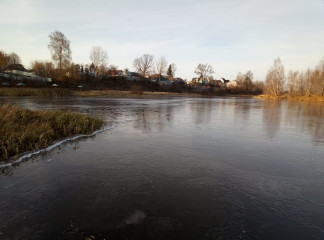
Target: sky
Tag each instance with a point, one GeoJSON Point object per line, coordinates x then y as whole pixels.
{"type": "Point", "coordinates": [231, 35]}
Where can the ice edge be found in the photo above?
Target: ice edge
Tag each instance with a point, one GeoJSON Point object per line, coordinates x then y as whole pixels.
{"type": "Point", "coordinates": [54, 145]}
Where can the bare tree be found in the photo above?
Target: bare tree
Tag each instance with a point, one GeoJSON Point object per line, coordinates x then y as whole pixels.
{"type": "Point", "coordinates": [161, 65]}
{"type": "Point", "coordinates": [308, 82]}
{"type": "Point", "coordinates": [320, 68]}
{"type": "Point", "coordinates": [99, 58]}
{"type": "Point", "coordinates": [239, 79]}
{"type": "Point", "coordinates": [144, 64]}
{"type": "Point", "coordinates": [14, 58]}
{"type": "Point", "coordinates": [293, 77]}
{"type": "Point", "coordinates": [301, 83]}
{"type": "Point", "coordinates": [275, 78]}
{"type": "Point", "coordinates": [247, 83]}
{"type": "Point", "coordinates": [42, 68]}
{"type": "Point", "coordinates": [204, 71]}
{"type": "Point", "coordinates": [60, 49]}
{"type": "Point", "coordinates": [112, 67]}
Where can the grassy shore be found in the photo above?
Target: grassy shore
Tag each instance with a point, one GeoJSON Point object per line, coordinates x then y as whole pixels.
{"type": "Point", "coordinates": [289, 97]}
{"type": "Point", "coordinates": [41, 92]}
{"type": "Point", "coordinates": [23, 130]}
{"type": "Point", "coordinates": [97, 93]}
{"type": "Point", "coordinates": [61, 92]}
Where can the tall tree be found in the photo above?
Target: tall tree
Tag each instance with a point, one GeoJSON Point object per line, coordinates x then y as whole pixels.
{"type": "Point", "coordinates": [275, 79]}
{"type": "Point", "coordinates": [171, 70]}
{"type": "Point", "coordinates": [99, 58]}
{"type": "Point", "coordinates": [247, 83]}
{"type": "Point", "coordinates": [204, 71]}
{"type": "Point", "coordinates": [161, 65]}
{"type": "Point", "coordinates": [144, 64]}
{"type": "Point", "coordinates": [92, 68]}
{"type": "Point", "coordinates": [293, 77]}
{"type": "Point", "coordinates": [60, 49]}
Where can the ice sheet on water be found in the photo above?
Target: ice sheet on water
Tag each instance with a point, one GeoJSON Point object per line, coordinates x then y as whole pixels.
{"type": "Point", "coordinates": [135, 218]}
{"type": "Point", "coordinates": [54, 145]}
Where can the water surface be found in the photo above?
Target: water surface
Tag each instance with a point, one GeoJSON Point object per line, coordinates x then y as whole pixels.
{"type": "Point", "coordinates": [174, 168]}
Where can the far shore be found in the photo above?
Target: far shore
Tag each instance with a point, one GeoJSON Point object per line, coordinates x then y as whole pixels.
{"type": "Point", "coordinates": [293, 98]}
{"type": "Point", "coordinates": [65, 92]}
{"type": "Point", "coordinates": [93, 93]}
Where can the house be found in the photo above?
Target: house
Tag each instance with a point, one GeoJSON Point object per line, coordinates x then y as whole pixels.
{"type": "Point", "coordinates": [231, 84]}
{"type": "Point", "coordinates": [18, 72]}
{"type": "Point", "coordinates": [216, 83]}
{"type": "Point", "coordinates": [198, 81]}
{"type": "Point", "coordinates": [161, 80]}
{"type": "Point", "coordinates": [179, 81]}
{"type": "Point", "coordinates": [133, 76]}
{"type": "Point", "coordinates": [224, 80]}
{"type": "Point", "coordinates": [114, 72]}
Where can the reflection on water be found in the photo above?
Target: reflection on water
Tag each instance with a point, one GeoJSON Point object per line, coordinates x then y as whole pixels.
{"type": "Point", "coordinates": [312, 120]}
{"type": "Point", "coordinates": [271, 116]}
{"type": "Point", "coordinates": [201, 111]}
{"type": "Point", "coordinates": [149, 119]}
{"type": "Point", "coordinates": [303, 116]}
{"type": "Point", "coordinates": [174, 168]}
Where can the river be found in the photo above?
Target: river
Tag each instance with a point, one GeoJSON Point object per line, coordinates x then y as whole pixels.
{"type": "Point", "coordinates": [173, 168]}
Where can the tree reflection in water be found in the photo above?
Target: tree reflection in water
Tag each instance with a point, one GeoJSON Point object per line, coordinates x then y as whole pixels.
{"type": "Point", "coordinates": [271, 116]}
{"type": "Point", "coordinates": [303, 115]}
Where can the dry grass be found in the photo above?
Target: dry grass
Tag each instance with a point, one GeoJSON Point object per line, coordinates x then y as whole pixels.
{"type": "Point", "coordinates": [125, 93]}
{"type": "Point", "coordinates": [23, 130]}
{"type": "Point", "coordinates": [42, 92]}
{"type": "Point", "coordinates": [98, 93]}
{"type": "Point", "coordinates": [314, 98]}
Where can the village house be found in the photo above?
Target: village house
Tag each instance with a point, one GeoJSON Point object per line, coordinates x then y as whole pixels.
{"type": "Point", "coordinates": [161, 80]}
{"type": "Point", "coordinates": [19, 73]}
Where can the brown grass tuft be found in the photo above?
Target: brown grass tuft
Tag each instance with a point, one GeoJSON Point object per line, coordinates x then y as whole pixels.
{"type": "Point", "coordinates": [23, 130]}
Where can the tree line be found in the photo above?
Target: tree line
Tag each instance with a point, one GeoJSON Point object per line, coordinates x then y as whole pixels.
{"type": "Point", "coordinates": [62, 69]}
{"type": "Point", "coordinates": [296, 83]}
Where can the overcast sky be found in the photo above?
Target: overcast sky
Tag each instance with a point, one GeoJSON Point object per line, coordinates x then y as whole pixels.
{"type": "Point", "coordinates": [231, 35]}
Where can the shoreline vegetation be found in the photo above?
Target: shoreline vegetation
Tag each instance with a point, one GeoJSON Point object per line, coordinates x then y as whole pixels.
{"type": "Point", "coordinates": [35, 92]}
{"type": "Point", "coordinates": [151, 75]}
{"type": "Point", "coordinates": [292, 98]}
{"type": "Point", "coordinates": [62, 92]}
{"type": "Point", "coordinates": [23, 130]}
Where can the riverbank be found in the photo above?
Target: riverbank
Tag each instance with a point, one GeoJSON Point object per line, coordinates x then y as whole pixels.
{"type": "Point", "coordinates": [34, 92]}
{"type": "Point", "coordinates": [62, 92]}
{"type": "Point", "coordinates": [288, 97]}
{"type": "Point", "coordinates": [95, 93]}
{"type": "Point", "coordinates": [23, 130]}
